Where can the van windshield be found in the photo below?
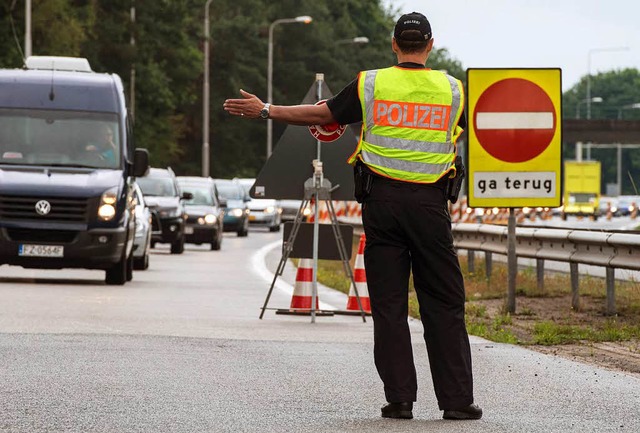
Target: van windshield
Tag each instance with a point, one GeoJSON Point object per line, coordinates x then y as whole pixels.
{"type": "Point", "coordinates": [59, 138]}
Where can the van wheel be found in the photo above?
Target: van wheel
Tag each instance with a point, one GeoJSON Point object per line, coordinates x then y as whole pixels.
{"type": "Point", "coordinates": [117, 274]}
{"type": "Point", "coordinates": [177, 247]}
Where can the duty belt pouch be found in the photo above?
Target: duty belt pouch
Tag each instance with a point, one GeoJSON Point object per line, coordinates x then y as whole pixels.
{"type": "Point", "coordinates": [455, 183]}
{"type": "Point", "coordinates": [362, 181]}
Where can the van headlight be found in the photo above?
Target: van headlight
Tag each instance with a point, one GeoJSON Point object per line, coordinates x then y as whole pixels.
{"type": "Point", "coordinates": [107, 208]}
{"type": "Point", "coordinates": [270, 209]}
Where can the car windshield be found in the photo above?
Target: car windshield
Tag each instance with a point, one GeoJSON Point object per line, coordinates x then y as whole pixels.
{"type": "Point", "coordinates": [230, 191]}
{"type": "Point", "coordinates": [201, 195]}
{"type": "Point", "coordinates": [157, 186]}
{"type": "Point", "coordinates": [59, 138]}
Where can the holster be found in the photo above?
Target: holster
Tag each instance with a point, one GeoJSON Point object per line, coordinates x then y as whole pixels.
{"type": "Point", "coordinates": [363, 181]}
{"type": "Point", "coordinates": [455, 183]}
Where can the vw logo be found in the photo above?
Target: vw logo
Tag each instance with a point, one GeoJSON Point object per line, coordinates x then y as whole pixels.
{"type": "Point", "coordinates": [43, 207]}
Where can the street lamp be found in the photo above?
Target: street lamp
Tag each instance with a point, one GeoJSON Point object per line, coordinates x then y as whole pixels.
{"type": "Point", "coordinates": [595, 99]}
{"type": "Point", "coordinates": [306, 19]}
{"type": "Point", "coordinates": [205, 95]}
{"type": "Point", "coordinates": [356, 40]}
{"type": "Point", "coordinates": [633, 106]}
{"type": "Point", "coordinates": [591, 51]}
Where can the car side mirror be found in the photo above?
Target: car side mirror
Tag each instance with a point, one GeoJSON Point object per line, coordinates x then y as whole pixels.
{"type": "Point", "coordinates": [140, 162]}
{"type": "Point", "coordinates": [186, 196]}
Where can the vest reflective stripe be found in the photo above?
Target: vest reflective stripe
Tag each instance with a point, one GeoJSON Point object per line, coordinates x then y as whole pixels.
{"type": "Point", "coordinates": [404, 144]}
{"type": "Point", "coordinates": [406, 166]}
{"type": "Point", "coordinates": [412, 134]}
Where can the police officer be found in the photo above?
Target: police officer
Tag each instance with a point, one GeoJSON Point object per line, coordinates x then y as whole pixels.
{"type": "Point", "coordinates": [411, 117]}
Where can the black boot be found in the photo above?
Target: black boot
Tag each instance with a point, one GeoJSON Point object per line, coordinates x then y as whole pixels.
{"type": "Point", "coordinates": [472, 411]}
{"type": "Point", "coordinates": [398, 410]}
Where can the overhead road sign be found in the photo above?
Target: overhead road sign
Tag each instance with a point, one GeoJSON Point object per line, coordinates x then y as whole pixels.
{"type": "Point", "coordinates": [515, 137]}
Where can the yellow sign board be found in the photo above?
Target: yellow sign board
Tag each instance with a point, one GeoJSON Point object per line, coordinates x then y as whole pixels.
{"type": "Point", "coordinates": [515, 137]}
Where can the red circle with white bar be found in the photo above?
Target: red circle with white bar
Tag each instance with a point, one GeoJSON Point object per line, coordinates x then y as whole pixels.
{"type": "Point", "coordinates": [514, 120]}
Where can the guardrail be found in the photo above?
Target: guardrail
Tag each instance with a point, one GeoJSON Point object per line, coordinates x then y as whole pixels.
{"type": "Point", "coordinates": [610, 250]}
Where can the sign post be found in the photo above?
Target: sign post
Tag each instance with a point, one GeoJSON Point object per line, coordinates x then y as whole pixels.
{"type": "Point", "coordinates": [515, 144]}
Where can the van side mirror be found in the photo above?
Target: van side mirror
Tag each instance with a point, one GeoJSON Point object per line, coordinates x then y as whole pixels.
{"type": "Point", "coordinates": [222, 201]}
{"type": "Point", "coordinates": [140, 162]}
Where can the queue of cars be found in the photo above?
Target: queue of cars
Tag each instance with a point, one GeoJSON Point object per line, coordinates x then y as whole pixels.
{"type": "Point", "coordinates": [193, 209]}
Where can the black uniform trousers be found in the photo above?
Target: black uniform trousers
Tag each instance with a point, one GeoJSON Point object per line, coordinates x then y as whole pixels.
{"type": "Point", "coordinates": [408, 229]}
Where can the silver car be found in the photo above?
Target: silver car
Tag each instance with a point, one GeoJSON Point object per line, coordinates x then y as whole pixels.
{"type": "Point", "coordinates": [142, 240]}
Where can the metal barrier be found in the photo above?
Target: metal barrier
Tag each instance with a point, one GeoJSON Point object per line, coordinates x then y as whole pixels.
{"type": "Point", "coordinates": [610, 250]}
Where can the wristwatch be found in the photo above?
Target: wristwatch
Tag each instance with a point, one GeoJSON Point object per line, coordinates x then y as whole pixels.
{"type": "Point", "coordinates": [264, 113]}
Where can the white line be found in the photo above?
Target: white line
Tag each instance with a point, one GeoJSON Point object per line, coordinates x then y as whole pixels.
{"type": "Point", "coordinates": [258, 263]}
{"type": "Point", "coordinates": [523, 120]}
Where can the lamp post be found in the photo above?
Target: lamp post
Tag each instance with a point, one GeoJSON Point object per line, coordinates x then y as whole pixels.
{"type": "Point", "coordinates": [301, 19]}
{"type": "Point", "coordinates": [356, 40]}
{"type": "Point", "coordinates": [595, 99]}
{"type": "Point", "coordinates": [591, 51]}
{"type": "Point", "coordinates": [27, 28]}
{"type": "Point", "coordinates": [205, 95]}
{"type": "Point", "coordinates": [633, 106]}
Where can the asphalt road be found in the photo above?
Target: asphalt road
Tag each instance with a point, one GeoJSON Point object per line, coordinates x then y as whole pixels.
{"type": "Point", "coordinates": [181, 349]}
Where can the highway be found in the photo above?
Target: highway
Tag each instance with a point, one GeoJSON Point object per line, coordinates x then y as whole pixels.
{"type": "Point", "coordinates": [181, 349]}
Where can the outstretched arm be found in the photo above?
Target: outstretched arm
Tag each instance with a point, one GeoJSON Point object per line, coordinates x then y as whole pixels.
{"type": "Point", "coordinates": [250, 106]}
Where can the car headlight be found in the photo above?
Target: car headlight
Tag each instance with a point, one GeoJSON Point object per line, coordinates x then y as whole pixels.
{"type": "Point", "coordinates": [107, 207]}
{"type": "Point", "coordinates": [210, 219]}
{"type": "Point", "coordinates": [236, 213]}
{"type": "Point", "coordinates": [270, 209]}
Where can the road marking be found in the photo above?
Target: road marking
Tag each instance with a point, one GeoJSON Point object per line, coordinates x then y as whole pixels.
{"type": "Point", "coordinates": [259, 265]}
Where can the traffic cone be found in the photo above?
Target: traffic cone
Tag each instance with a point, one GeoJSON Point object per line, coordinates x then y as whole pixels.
{"type": "Point", "coordinates": [302, 290]}
{"type": "Point", "coordinates": [360, 278]}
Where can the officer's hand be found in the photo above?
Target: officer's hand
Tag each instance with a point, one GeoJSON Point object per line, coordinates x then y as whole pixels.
{"type": "Point", "coordinates": [249, 106]}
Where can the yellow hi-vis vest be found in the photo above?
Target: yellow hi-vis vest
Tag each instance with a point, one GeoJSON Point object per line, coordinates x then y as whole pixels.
{"type": "Point", "coordinates": [409, 123]}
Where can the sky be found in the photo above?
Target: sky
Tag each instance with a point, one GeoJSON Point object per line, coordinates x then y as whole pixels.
{"type": "Point", "coordinates": [574, 35]}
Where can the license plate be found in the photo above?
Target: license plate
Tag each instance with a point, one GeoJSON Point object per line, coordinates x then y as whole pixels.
{"type": "Point", "coordinates": [252, 217]}
{"type": "Point", "coordinates": [188, 230]}
{"type": "Point", "coordinates": [28, 250]}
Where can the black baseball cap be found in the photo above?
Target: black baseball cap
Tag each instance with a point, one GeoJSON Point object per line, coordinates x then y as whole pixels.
{"type": "Point", "coordinates": [413, 21]}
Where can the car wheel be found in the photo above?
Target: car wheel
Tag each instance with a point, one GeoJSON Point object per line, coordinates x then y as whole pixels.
{"type": "Point", "coordinates": [275, 228]}
{"type": "Point", "coordinates": [217, 242]}
{"type": "Point", "coordinates": [244, 230]}
{"type": "Point", "coordinates": [141, 263]}
{"type": "Point", "coordinates": [177, 246]}
{"type": "Point", "coordinates": [117, 274]}
{"type": "Point", "coordinates": [130, 267]}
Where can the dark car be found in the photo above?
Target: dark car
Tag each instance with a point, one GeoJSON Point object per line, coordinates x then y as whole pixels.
{"type": "Point", "coordinates": [163, 197]}
{"type": "Point", "coordinates": [234, 199]}
{"type": "Point", "coordinates": [204, 212]}
{"type": "Point", "coordinates": [66, 191]}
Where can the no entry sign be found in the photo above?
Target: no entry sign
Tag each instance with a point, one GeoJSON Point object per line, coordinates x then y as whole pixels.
{"type": "Point", "coordinates": [515, 145]}
{"type": "Point", "coordinates": [515, 120]}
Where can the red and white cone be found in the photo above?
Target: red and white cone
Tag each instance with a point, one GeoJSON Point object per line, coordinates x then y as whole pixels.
{"type": "Point", "coordinates": [360, 278]}
{"type": "Point", "coordinates": [303, 288]}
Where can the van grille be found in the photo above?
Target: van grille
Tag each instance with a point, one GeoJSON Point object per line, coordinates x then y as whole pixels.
{"type": "Point", "coordinates": [61, 209]}
{"type": "Point", "coordinates": [37, 235]}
